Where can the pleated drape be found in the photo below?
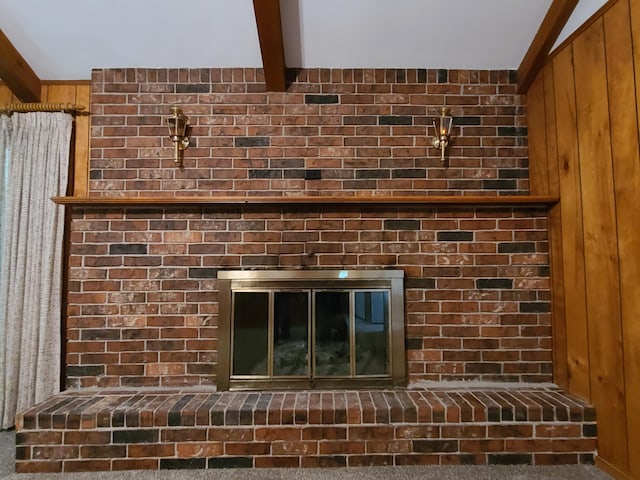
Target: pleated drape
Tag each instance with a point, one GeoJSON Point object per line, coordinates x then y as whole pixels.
{"type": "Point", "coordinates": [32, 228]}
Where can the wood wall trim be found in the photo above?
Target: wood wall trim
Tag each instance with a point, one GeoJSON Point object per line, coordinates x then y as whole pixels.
{"type": "Point", "coordinates": [448, 201]}
{"type": "Point", "coordinates": [552, 25]}
{"type": "Point", "coordinates": [267, 13]}
{"type": "Point", "coordinates": [16, 72]}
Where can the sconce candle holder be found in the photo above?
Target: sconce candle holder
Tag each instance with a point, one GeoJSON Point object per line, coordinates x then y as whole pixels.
{"type": "Point", "coordinates": [442, 127]}
{"type": "Point", "coordinates": [178, 126]}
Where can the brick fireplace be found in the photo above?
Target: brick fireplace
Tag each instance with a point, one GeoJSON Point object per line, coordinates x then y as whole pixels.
{"type": "Point", "coordinates": [143, 305]}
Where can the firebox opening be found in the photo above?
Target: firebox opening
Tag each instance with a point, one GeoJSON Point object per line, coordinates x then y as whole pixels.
{"type": "Point", "coordinates": [311, 329]}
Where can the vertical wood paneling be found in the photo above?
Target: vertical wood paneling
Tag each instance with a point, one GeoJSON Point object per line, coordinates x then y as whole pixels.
{"type": "Point", "coordinates": [601, 255]}
{"type": "Point", "coordinates": [538, 181]}
{"type": "Point", "coordinates": [572, 231]}
{"type": "Point", "coordinates": [550, 124]}
{"type": "Point", "coordinates": [626, 168]}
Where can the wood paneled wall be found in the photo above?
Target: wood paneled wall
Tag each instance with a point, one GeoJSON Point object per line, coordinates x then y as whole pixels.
{"type": "Point", "coordinates": [67, 92]}
{"type": "Point", "coordinates": [583, 113]}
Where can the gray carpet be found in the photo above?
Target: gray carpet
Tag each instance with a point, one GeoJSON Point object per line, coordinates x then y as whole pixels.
{"type": "Point", "coordinates": [572, 472]}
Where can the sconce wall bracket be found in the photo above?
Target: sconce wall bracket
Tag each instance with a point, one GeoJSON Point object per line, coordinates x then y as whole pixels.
{"type": "Point", "coordinates": [442, 135]}
{"type": "Point", "coordinates": [178, 125]}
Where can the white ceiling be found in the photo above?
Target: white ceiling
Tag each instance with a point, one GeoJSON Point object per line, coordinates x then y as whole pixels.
{"type": "Point", "coordinates": [65, 39]}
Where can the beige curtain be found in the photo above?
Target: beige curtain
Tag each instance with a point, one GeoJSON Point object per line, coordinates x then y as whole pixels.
{"type": "Point", "coordinates": [32, 226]}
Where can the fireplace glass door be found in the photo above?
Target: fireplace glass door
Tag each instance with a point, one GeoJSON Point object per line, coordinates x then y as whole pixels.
{"type": "Point", "coordinates": [310, 334]}
{"type": "Point", "coordinates": [306, 333]}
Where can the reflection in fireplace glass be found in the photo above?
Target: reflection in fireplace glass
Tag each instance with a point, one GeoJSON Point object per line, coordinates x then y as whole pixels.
{"type": "Point", "coordinates": [332, 334]}
{"type": "Point", "coordinates": [271, 333]}
{"type": "Point", "coordinates": [371, 333]}
{"type": "Point", "coordinates": [291, 334]}
{"type": "Point", "coordinates": [251, 333]}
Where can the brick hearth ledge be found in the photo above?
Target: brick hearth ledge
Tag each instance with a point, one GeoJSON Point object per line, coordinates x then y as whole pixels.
{"type": "Point", "coordinates": [438, 423]}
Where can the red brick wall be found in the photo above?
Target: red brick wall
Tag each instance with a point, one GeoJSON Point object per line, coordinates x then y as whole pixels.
{"type": "Point", "coordinates": [143, 298]}
{"type": "Point", "coordinates": [143, 301]}
{"type": "Point", "coordinates": [362, 131]}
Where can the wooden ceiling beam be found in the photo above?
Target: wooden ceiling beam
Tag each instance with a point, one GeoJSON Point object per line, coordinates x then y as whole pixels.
{"type": "Point", "coordinates": [269, 25]}
{"type": "Point", "coordinates": [551, 27]}
{"type": "Point", "coordinates": [16, 73]}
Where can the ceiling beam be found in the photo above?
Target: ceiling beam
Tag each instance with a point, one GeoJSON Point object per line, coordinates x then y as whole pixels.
{"type": "Point", "coordinates": [269, 25]}
{"type": "Point", "coordinates": [551, 27]}
{"type": "Point", "coordinates": [16, 73]}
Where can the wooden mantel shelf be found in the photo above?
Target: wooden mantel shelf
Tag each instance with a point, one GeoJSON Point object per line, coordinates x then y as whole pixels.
{"type": "Point", "coordinates": [400, 201]}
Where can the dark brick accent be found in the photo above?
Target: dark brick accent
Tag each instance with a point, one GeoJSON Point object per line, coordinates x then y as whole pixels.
{"type": "Point", "coordinates": [127, 249]}
{"type": "Point", "coordinates": [517, 247]}
{"type": "Point", "coordinates": [460, 121]}
{"type": "Point", "coordinates": [100, 334]}
{"type": "Point", "coordinates": [590, 430]}
{"type": "Point", "coordinates": [360, 184]}
{"type": "Point", "coordinates": [513, 173]}
{"type": "Point", "coordinates": [84, 370]}
{"type": "Point", "coordinates": [409, 173]}
{"type": "Point", "coordinates": [23, 453]}
{"type": "Point", "coordinates": [203, 272]}
{"type": "Point", "coordinates": [193, 88]}
{"type": "Point", "coordinates": [168, 225]}
{"type": "Point", "coordinates": [95, 174]}
{"type": "Point", "coordinates": [136, 436]}
{"type": "Point", "coordinates": [395, 120]}
{"type": "Point", "coordinates": [265, 173]}
{"type": "Point", "coordinates": [373, 173]}
{"type": "Point", "coordinates": [252, 141]}
{"type": "Point", "coordinates": [513, 77]}
{"type": "Point", "coordinates": [313, 174]}
{"type": "Point", "coordinates": [420, 283]}
{"type": "Point", "coordinates": [535, 307]}
{"type": "Point", "coordinates": [544, 271]}
{"type": "Point", "coordinates": [456, 236]}
{"type": "Point", "coordinates": [413, 344]}
{"type": "Point", "coordinates": [286, 163]}
{"type": "Point", "coordinates": [402, 224]}
{"type": "Point", "coordinates": [183, 463]}
{"type": "Point", "coordinates": [422, 75]}
{"type": "Point", "coordinates": [510, 459]}
{"type": "Point", "coordinates": [295, 173]}
{"type": "Point", "coordinates": [512, 131]}
{"type": "Point", "coordinates": [321, 99]}
{"type": "Point", "coordinates": [175, 416]}
{"type": "Point", "coordinates": [485, 283]}
{"type": "Point", "coordinates": [231, 462]}
{"type": "Point", "coordinates": [499, 185]}
{"type": "Point", "coordinates": [443, 75]}
{"type": "Point", "coordinates": [435, 446]}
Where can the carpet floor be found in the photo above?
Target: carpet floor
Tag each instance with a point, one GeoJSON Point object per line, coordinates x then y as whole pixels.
{"type": "Point", "coordinates": [481, 472]}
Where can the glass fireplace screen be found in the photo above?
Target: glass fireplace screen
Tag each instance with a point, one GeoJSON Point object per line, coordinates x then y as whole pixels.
{"type": "Point", "coordinates": [304, 329]}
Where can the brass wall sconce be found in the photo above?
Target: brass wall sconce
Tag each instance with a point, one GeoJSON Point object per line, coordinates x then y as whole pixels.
{"type": "Point", "coordinates": [442, 127]}
{"type": "Point", "coordinates": [178, 125]}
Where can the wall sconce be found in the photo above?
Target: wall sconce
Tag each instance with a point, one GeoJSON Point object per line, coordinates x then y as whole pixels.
{"type": "Point", "coordinates": [178, 125]}
{"type": "Point", "coordinates": [442, 132]}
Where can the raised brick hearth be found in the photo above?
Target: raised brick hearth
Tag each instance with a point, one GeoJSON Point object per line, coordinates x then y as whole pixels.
{"type": "Point", "coordinates": [116, 430]}
{"type": "Point", "coordinates": [160, 429]}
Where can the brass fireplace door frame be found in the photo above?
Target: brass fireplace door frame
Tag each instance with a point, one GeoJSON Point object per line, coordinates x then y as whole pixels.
{"type": "Point", "coordinates": [391, 280]}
